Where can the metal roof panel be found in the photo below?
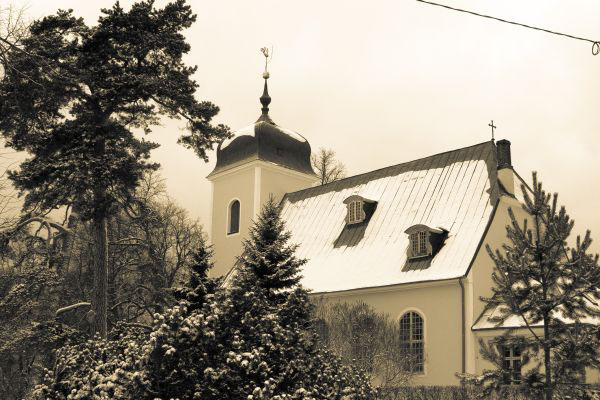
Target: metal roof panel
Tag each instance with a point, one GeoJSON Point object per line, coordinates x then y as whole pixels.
{"type": "Point", "coordinates": [455, 190]}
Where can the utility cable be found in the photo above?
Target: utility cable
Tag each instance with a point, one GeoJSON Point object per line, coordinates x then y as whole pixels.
{"type": "Point", "coordinates": [595, 43]}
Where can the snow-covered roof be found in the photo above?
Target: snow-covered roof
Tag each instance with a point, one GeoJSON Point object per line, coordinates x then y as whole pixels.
{"type": "Point", "coordinates": [250, 130]}
{"type": "Point", "coordinates": [456, 191]}
{"type": "Point", "coordinates": [486, 320]}
{"type": "Point", "coordinates": [264, 140]}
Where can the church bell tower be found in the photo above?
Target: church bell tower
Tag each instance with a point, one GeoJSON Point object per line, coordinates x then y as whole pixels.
{"type": "Point", "coordinates": [259, 161]}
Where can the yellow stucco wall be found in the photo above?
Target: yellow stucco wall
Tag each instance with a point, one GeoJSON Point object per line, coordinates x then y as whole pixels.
{"type": "Point", "coordinates": [251, 184]}
{"type": "Point", "coordinates": [496, 235]}
{"type": "Point", "coordinates": [439, 304]}
{"type": "Point", "coordinates": [237, 185]}
{"type": "Point", "coordinates": [480, 276]}
{"type": "Point", "coordinates": [278, 182]}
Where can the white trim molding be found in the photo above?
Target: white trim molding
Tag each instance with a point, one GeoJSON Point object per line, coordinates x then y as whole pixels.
{"type": "Point", "coordinates": [211, 223]}
{"type": "Point", "coordinates": [386, 288]}
{"type": "Point", "coordinates": [255, 162]}
{"type": "Point", "coordinates": [257, 188]}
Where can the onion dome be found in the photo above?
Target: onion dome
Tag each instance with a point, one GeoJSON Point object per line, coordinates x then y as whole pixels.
{"type": "Point", "coordinates": [265, 140]}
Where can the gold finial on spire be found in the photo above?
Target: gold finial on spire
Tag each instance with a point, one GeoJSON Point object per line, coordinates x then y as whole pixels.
{"type": "Point", "coordinates": [265, 51]}
{"type": "Point", "coordinates": [265, 99]}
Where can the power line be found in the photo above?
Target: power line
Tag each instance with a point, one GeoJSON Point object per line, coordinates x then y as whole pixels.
{"type": "Point", "coordinates": [595, 43]}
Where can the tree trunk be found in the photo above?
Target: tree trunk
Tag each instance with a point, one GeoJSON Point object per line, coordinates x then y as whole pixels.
{"type": "Point", "coordinates": [100, 277]}
{"type": "Point", "coordinates": [68, 243]}
{"type": "Point", "coordinates": [547, 363]}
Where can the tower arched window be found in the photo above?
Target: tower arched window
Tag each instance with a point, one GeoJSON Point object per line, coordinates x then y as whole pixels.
{"type": "Point", "coordinates": [412, 336]}
{"type": "Point", "coordinates": [233, 217]}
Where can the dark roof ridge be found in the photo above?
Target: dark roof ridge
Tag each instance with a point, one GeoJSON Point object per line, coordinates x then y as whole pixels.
{"type": "Point", "coordinates": [388, 167]}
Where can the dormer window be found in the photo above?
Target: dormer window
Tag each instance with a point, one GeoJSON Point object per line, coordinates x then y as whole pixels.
{"type": "Point", "coordinates": [424, 241]}
{"type": "Point", "coordinates": [359, 209]}
{"type": "Point", "coordinates": [418, 244]}
{"type": "Point", "coordinates": [355, 212]}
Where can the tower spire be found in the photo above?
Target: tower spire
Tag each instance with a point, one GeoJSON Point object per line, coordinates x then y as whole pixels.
{"type": "Point", "coordinates": [265, 99]}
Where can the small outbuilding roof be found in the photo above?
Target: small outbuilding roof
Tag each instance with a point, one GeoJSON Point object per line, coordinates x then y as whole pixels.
{"type": "Point", "coordinates": [487, 320]}
{"type": "Point", "coordinates": [455, 191]}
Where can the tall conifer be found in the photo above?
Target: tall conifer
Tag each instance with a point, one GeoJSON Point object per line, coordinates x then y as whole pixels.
{"type": "Point", "coordinates": [268, 257]}
{"type": "Point", "coordinates": [539, 279]}
{"type": "Point", "coordinates": [199, 284]}
{"type": "Point", "coordinates": [72, 98]}
{"type": "Point", "coordinates": [253, 340]}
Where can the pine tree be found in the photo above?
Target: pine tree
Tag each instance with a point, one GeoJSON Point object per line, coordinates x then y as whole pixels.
{"type": "Point", "coordinates": [538, 278]}
{"type": "Point", "coordinates": [73, 96]}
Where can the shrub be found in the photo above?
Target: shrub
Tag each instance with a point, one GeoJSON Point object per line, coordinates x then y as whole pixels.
{"type": "Point", "coordinates": [470, 392]}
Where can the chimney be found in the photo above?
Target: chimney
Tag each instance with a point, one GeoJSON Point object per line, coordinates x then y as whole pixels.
{"type": "Point", "coordinates": [503, 151]}
{"type": "Point", "coordinates": [506, 176]}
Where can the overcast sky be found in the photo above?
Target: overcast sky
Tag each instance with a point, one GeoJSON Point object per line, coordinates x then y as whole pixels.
{"type": "Point", "coordinates": [389, 81]}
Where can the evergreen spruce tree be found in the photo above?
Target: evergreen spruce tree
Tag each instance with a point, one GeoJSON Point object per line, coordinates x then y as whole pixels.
{"type": "Point", "coordinates": [268, 261]}
{"type": "Point", "coordinates": [267, 288]}
{"type": "Point", "coordinates": [548, 285]}
{"type": "Point", "coordinates": [199, 285]}
{"type": "Point", "coordinates": [255, 339]}
{"type": "Point", "coordinates": [271, 312]}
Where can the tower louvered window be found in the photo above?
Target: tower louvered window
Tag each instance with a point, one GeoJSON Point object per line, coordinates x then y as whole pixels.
{"type": "Point", "coordinates": [412, 336]}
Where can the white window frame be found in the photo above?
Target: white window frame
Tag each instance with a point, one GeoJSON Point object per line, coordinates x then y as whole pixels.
{"type": "Point", "coordinates": [355, 208]}
{"type": "Point", "coordinates": [419, 244]}
{"type": "Point", "coordinates": [356, 214]}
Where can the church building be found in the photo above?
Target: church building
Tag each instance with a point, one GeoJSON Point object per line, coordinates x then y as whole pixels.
{"type": "Point", "coordinates": [408, 239]}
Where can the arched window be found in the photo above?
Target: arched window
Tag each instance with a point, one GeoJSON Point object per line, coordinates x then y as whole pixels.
{"type": "Point", "coordinates": [412, 336]}
{"type": "Point", "coordinates": [233, 219]}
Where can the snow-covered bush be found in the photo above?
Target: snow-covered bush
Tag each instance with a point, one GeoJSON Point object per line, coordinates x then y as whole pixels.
{"type": "Point", "coordinates": [252, 341]}
{"type": "Point", "coordinates": [30, 291]}
{"type": "Point", "coordinates": [97, 368]}
{"type": "Point", "coordinates": [237, 347]}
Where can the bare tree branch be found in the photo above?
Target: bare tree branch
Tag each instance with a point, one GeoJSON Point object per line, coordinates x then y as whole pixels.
{"type": "Point", "coordinates": [327, 167]}
{"type": "Point", "coordinates": [72, 307]}
{"type": "Point", "coordinates": [137, 325]}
